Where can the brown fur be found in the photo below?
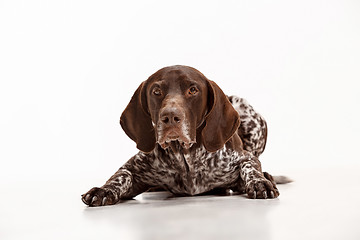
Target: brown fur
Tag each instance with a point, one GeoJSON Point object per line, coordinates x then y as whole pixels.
{"type": "Point", "coordinates": [192, 139]}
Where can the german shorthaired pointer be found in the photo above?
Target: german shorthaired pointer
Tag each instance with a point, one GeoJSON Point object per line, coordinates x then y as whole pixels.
{"type": "Point", "coordinates": [192, 139]}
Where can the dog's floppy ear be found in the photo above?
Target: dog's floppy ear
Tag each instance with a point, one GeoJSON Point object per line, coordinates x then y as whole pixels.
{"type": "Point", "coordinates": [222, 120]}
{"type": "Point", "coordinates": [136, 121]}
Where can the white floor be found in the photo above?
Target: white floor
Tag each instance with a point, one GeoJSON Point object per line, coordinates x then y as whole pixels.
{"type": "Point", "coordinates": [318, 205]}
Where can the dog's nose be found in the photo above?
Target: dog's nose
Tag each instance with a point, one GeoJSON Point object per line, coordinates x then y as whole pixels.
{"type": "Point", "coordinates": [171, 116]}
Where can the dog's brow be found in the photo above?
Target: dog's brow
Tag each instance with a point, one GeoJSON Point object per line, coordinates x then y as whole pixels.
{"type": "Point", "coordinates": [159, 83]}
{"type": "Point", "coordinates": [191, 82]}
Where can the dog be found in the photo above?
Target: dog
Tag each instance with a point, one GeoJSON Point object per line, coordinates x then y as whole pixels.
{"type": "Point", "coordinates": [192, 138]}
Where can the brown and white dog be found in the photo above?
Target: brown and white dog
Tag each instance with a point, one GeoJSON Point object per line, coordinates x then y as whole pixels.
{"type": "Point", "coordinates": [192, 139]}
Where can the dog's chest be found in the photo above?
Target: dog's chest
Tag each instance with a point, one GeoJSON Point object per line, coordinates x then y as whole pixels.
{"type": "Point", "coordinates": [198, 171]}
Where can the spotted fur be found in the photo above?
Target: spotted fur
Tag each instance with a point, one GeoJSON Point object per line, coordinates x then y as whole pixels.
{"type": "Point", "coordinates": [195, 171]}
{"type": "Point", "coordinates": [180, 161]}
{"type": "Point", "coordinates": [253, 128]}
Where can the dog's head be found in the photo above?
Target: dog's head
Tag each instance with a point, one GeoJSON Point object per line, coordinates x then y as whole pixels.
{"type": "Point", "coordinates": [172, 105]}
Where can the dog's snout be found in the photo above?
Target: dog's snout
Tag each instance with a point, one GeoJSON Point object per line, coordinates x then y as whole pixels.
{"type": "Point", "coordinates": [171, 116]}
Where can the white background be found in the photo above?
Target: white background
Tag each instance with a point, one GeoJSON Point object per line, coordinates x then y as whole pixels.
{"type": "Point", "coordinates": [69, 68]}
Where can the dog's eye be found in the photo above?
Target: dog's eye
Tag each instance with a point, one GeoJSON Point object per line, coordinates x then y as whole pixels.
{"type": "Point", "coordinates": [157, 92]}
{"type": "Point", "coordinates": [193, 91]}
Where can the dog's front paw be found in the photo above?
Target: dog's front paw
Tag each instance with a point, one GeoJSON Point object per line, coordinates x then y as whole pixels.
{"type": "Point", "coordinates": [98, 197]}
{"type": "Point", "coordinates": [261, 188]}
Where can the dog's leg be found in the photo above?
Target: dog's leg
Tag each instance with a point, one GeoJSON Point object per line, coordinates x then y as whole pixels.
{"type": "Point", "coordinates": [126, 183]}
{"type": "Point", "coordinates": [256, 184]}
{"type": "Point", "coordinates": [120, 186]}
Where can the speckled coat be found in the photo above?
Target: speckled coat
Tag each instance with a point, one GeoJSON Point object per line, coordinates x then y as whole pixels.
{"type": "Point", "coordinates": [192, 140]}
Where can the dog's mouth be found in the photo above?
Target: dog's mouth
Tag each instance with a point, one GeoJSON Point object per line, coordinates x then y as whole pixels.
{"type": "Point", "coordinates": [177, 146]}
{"type": "Point", "coordinates": [175, 141]}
